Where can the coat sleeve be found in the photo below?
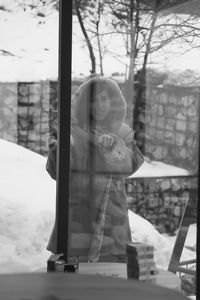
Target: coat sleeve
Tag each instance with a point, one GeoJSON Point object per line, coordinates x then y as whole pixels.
{"type": "Point", "coordinates": [137, 159]}
{"type": "Point", "coordinates": [52, 144]}
{"type": "Point", "coordinates": [51, 162]}
{"type": "Point", "coordinates": [52, 158]}
{"type": "Point", "coordinates": [81, 143]}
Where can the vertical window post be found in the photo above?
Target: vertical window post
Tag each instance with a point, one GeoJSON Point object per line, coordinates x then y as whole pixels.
{"type": "Point", "coordinates": [198, 214]}
{"type": "Point", "coordinates": [64, 116]}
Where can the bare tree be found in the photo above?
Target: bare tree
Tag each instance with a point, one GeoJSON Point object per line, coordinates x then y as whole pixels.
{"type": "Point", "coordinates": [146, 29]}
{"type": "Point", "coordinates": [146, 26]}
{"type": "Point", "coordinates": [91, 21]}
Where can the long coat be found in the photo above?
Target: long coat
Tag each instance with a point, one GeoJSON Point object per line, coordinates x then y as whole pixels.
{"type": "Point", "coordinates": [98, 215]}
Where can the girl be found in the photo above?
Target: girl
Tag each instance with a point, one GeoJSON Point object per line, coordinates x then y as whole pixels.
{"type": "Point", "coordinates": [103, 153]}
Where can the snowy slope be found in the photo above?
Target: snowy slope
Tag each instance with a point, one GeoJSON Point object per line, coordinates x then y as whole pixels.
{"type": "Point", "coordinates": [27, 205]}
{"type": "Point", "coordinates": [27, 201]}
{"type": "Point", "coordinates": [31, 46]}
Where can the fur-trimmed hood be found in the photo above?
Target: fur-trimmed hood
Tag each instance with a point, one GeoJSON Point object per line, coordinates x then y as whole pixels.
{"type": "Point", "coordinates": [85, 95]}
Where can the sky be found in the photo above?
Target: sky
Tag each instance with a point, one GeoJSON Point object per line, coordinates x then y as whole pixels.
{"type": "Point", "coordinates": [27, 205]}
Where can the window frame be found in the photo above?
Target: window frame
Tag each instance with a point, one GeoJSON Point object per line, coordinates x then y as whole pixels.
{"type": "Point", "coordinates": [64, 118]}
{"type": "Point", "coordinates": [63, 153]}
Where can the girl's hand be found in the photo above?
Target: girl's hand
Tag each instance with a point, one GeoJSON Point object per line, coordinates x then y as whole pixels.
{"type": "Point", "coordinates": [106, 141]}
{"type": "Point", "coordinates": [118, 151]}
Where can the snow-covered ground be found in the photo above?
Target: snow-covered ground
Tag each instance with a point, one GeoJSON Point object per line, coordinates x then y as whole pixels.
{"type": "Point", "coordinates": [158, 169]}
{"type": "Point", "coordinates": [27, 205]}
{"type": "Point", "coordinates": [27, 199]}
{"type": "Point", "coordinates": [32, 48]}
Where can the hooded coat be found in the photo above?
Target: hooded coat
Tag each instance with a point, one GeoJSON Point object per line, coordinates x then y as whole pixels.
{"type": "Point", "coordinates": [98, 214]}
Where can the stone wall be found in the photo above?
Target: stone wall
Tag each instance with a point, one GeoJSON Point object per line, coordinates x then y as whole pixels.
{"type": "Point", "coordinates": [170, 125]}
{"type": "Point", "coordinates": [162, 200]}
{"type": "Point", "coordinates": [24, 113]}
{"type": "Point", "coordinates": [33, 115]}
{"type": "Point", "coordinates": [8, 111]}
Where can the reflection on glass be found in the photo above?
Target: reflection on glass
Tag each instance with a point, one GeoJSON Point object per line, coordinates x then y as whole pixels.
{"type": "Point", "coordinates": [103, 152]}
{"type": "Point", "coordinates": [139, 45]}
{"type": "Point", "coordinates": [150, 49]}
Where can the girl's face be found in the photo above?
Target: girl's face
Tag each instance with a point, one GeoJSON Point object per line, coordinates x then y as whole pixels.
{"type": "Point", "coordinates": [101, 106]}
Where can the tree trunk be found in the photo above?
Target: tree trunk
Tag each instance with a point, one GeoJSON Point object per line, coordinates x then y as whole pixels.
{"type": "Point", "coordinates": [89, 45]}
{"type": "Point", "coordinates": [130, 82]}
{"type": "Point", "coordinates": [98, 40]}
{"type": "Point", "coordinates": [132, 51]}
{"type": "Point", "coordinates": [140, 101]}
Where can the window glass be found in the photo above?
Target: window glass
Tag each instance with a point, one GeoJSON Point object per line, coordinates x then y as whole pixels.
{"type": "Point", "coordinates": [134, 137]}
{"type": "Point", "coordinates": [134, 141]}
{"type": "Point", "coordinates": [28, 89]}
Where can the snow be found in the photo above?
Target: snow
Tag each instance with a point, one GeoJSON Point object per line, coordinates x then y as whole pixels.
{"type": "Point", "coordinates": [33, 44]}
{"type": "Point", "coordinates": [27, 205]}
{"type": "Point", "coordinates": [158, 169]}
{"type": "Point", "coordinates": [27, 200]}
{"type": "Point", "coordinates": [34, 47]}
{"type": "Point", "coordinates": [143, 231]}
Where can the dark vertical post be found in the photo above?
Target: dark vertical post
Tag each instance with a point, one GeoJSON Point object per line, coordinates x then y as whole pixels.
{"type": "Point", "coordinates": [64, 115]}
{"type": "Point", "coordinates": [198, 214]}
